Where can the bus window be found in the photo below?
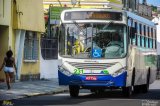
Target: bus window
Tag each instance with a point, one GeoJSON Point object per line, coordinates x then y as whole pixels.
{"type": "Point", "coordinates": [134, 35]}
{"type": "Point", "coordinates": [142, 40]}
{"type": "Point", "coordinates": [138, 40]}
{"type": "Point", "coordinates": [135, 25]}
{"type": "Point", "coordinates": [148, 32]}
{"type": "Point", "coordinates": [150, 43]}
{"type": "Point", "coordinates": [140, 29]}
{"type": "Point", "coordinates": [146, 40]}
{"type": "Point", "coordinates": [134, 39]}
{"type": "Point", "coordinates": [151, 32]}
{"type": "Point", "coordinates": [144, 30]}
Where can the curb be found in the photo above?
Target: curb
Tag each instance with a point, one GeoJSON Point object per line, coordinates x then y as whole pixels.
{"type": "Point", "coordinates": [41, 94]}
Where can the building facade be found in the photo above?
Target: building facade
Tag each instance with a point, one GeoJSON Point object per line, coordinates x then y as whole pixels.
{"type": "Point", "coordinates": [130, 4]}
{"type": "Point", "coordinates": [21, 25]}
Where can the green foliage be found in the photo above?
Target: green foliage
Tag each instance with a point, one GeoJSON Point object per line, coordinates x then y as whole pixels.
{"type": "Point", "coordinates": [154, 8]}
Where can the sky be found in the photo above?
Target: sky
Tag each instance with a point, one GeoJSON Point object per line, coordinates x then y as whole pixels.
{"type": "Point", "coordinates": [153, 2]}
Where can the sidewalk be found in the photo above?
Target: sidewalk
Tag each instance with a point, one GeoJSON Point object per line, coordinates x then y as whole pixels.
{"type": "Point", "coordinates": [30, 88]}
{"type": "Point", "coordinates": [41, 87]}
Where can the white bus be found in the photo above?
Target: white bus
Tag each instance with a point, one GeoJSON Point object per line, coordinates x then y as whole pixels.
{"type": "Point", "coordinates": [100, 49]}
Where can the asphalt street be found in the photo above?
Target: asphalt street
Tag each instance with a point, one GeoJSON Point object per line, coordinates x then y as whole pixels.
{"type": "Point", "coordinates": [108, 98]}
{"type": "Point", "coordinates": [86, 98]}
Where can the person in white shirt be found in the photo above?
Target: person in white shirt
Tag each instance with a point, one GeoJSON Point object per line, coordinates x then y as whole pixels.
{"type": "Point", "coordinates": [114, 47]}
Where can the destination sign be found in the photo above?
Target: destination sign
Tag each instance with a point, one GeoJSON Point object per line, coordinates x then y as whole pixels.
{"type": "Point", "coordinates": [93, 15]}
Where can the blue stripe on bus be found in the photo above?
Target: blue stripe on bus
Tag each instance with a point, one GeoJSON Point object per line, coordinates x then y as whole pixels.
{"type": "Point", "coordinates": [102, 80]}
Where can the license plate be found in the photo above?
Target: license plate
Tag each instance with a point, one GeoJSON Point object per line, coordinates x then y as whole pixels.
{"type": "Point", "coordinates": [91, 77]}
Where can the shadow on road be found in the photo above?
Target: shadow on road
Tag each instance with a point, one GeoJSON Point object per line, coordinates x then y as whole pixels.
{"type": "Point", "coordinates": [85, 96]}
{"type": "Point", "coordinates": [152, 94]}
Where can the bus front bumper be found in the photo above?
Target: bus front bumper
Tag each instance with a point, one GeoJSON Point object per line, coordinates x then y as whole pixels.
{"type": "Point", "coordinates": [93, 80]}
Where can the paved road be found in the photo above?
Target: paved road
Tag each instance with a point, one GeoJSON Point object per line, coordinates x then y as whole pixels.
{"type": "Point", "coordinates": [109, 98]}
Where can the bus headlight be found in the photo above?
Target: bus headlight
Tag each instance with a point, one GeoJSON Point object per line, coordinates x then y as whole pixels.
{"type": "Point", "coordinates": [64, 71]}
{"type": "Point", "coordinates": [119, 72]}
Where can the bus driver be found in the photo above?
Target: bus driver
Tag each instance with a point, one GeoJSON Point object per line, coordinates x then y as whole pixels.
{"type": "Point", "coordinates": [114, 47]}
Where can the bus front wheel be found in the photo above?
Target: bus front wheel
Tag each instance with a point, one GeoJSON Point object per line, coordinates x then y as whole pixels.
{"type": "Point", "coordinates": [137, 89]}
{"type": "Point", "coordinates": [127, 91]}
{"type": "Point", "coordinates": [73, 90]}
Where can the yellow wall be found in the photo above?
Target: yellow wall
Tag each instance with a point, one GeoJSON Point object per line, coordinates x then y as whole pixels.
{"type": "Point", "coordinates": [31, 67]}
{"type": "Point", "coordinates": [32, 19]}
{"type": "Point", "coordinates": [5, 12]}
{"type": "Point", "coordinates": [14, 16]}
{"type": "Point", "coordinates": [4, 32]}
{"type": "Point", "coordinates": [30, 15]}
{"type": "Point", "coordinates": [12, 44]}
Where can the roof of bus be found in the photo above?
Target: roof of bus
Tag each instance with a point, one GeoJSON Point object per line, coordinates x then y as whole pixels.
{"type": "Point", "coordinates": [140, 19]}
{"type": "Point", "coordinates": [93, 9]}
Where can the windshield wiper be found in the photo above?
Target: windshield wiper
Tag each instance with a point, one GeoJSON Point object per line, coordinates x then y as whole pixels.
{"type": "Point", "coordinates": [78, 27]}
{"type": "Point", "coordinates": [81, 29]}
{"type": "Point", "coordinates": [104, 28]}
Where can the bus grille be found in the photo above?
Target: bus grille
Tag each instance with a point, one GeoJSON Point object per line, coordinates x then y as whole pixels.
{"type": "Point", "coordinates": [91, 66]}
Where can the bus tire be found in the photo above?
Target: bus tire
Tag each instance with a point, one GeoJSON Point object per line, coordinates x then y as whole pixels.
{"type": "Point", "coordinates": [127, 91]}
{"type": "Point", "coordinates": [73, 90]}
{"type": "Point", "coordinates": [133, 76]}
{"type": "Point", "coordinates": [145, 87]}
{"type": "Point", "coordinates": [137, 89]}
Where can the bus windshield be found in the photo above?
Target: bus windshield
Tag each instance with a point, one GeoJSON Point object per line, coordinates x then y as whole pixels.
{"type": "Point", "coordinates": [83, 40]}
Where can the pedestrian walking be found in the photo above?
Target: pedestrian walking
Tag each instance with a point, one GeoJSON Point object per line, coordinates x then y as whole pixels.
{"type": "Point", "coordinates": [8, 67]}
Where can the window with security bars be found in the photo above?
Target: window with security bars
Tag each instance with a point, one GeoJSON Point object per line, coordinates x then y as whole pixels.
{"type": "Point", "coordinates": [31, 46]}
{"type": "Point", "coordinates": [49, 44]}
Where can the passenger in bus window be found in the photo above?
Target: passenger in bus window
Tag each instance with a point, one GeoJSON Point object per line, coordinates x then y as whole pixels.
{"type": "Point", "coordinates": [116, 40]}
